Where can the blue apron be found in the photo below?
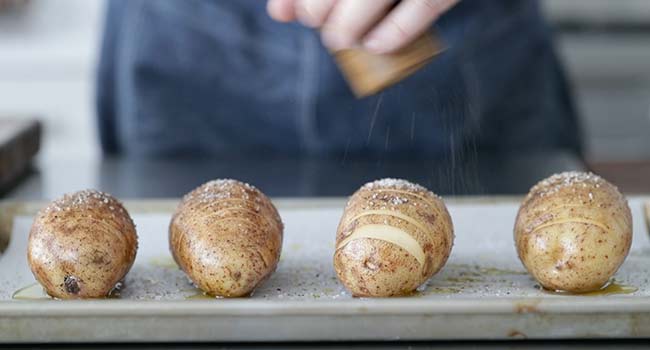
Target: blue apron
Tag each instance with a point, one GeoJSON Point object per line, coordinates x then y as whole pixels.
{"type": "Point", "coordinates": [219, 77]}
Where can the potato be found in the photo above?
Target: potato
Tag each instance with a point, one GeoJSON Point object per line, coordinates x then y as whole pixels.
{"type": "Point", "coordinates": [82, 245]}
{"type": "Point", "coordinates": [647, 215]}
{"type": "Point", "coordinates": [227, 237]}
{"type": "Point", "coordinates": [393, 236]}
{"type": "Point", "coordinates": [573, 231]}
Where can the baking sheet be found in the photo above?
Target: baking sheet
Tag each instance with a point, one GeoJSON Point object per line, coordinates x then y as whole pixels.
{"type": "Point", "coordinates": [483, 291]}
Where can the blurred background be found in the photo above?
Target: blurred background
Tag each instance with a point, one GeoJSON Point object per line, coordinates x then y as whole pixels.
{"type": "Point", "coordinates": [48, 51]}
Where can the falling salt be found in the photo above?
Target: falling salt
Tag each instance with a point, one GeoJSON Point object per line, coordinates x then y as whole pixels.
{"type": "Point", "coordinates": [373, 120]}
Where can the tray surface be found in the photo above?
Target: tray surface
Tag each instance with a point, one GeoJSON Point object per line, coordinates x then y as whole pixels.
{"type": "Point", "coordinates": [482, 277]}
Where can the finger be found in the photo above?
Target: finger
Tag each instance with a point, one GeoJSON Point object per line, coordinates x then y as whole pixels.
{"type": "Point", "coordinates": [313, 13]}
{"type": "Point", "coordinates": [281, 10]}
{"type": "Point", "coordinates": [350, 20]}
{"type": "Point", "coordinates": [407, 21]}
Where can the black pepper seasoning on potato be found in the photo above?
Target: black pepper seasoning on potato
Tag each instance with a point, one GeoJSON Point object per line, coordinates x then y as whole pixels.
{"type": "Point", "coordinates": [227, 237]}
{"type": "Point", "coordinates": [82, 245]}
{"type": "Point", "coordinates": [393, 236]}
{"type": "Point", "coordinates": [573, 231]}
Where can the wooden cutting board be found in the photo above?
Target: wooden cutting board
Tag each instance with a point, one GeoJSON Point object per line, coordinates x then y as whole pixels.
{"type": "Point", "coordinates": [20, 141]}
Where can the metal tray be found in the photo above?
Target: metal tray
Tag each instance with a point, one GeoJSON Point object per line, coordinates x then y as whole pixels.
{"type": "Point", "coordinates": [482, 293]}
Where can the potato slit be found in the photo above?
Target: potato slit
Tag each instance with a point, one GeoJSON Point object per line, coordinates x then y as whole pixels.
{"type": "Point", "coordinates": [246, 221]}
{"type": "Point", "coordinates": [108, 228]}
{"type": "Point", "coordinates": [572, 220]}
{"type": "Point", "coordinates": [431, 203]}
{"type": "Point", "coordinates": [647, 215]}
{"type": "Point", "coordinates": [268, 221]}
{"type": "Point", "coordinates": [388, 234]}
{"type": "Point", "coordinates": [222, 200]}
{"type": "Point", "coordinates": [392, 213]}
{"type": "Point", "coordinates": [621, 220]}
{"type": "Point", "coordinates": [560, 206]}
{"type": "Point", "coordinates": [424, 198]}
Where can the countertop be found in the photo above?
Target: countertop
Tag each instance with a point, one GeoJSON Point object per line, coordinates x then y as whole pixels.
{"type": "Point", "coordinates": [285, 177]}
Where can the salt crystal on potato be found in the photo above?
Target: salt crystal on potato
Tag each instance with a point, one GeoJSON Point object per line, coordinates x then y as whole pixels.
{"type": "Point", "coordinates": [573, 231]}
{"type": "Point", "coordinates": [227, 237]}
{"type": "Point", "coordinates": [393, 236]}
{"type": "Point", "coordinates": [82, 245]}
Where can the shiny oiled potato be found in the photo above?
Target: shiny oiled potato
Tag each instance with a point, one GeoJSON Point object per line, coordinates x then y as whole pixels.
{"type": "Point", "coordinates": [647, 215]}
{"type": "Point", "coordinates": [393, 236]}
{"type": "Point", "coordinates": [227, 237]}
{"type": "Point", "coordinates": [82, 245]}
{"type": "Point", "coordinates": [573, 232]}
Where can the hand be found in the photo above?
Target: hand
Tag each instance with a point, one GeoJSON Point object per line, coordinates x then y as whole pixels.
{"type": "Point", "coordinates": [378, 25]}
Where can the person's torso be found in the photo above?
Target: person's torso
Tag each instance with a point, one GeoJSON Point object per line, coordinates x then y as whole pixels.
{"type": "Point", "coordinates": [220, 77]}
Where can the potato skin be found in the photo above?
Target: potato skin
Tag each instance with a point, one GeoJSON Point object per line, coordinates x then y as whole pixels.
{"type": "Point", "coordinates": [227, 237]}
{"type": "Point", "coordinates": [372, 267]}
{"type": "Point", "coordinates": [573, 231]}
{"type": "Point", "coordinates": [80, 246]}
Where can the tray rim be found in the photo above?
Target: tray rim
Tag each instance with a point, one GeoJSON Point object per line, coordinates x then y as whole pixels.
{"type": "Point", "coordinates": [373, 307]}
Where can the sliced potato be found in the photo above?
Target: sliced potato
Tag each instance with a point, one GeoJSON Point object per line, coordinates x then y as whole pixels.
{"type": "Point", "coordinates": [227, 237]}
{"type": "Point", "coordinates": [82, 245]}
{"type": "Point", "coordinates": [573, 231]}
{"type": "Point", "coordinates": [393, 236]}
{"type": "Point", "coordinates": [647, 216]}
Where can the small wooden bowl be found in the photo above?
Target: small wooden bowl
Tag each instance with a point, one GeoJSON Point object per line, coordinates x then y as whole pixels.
{"type": "Point", "coordinates": [369, 73]}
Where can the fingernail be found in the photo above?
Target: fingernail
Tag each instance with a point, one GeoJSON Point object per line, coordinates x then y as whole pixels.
{"type": "Point", "coordinates": [309, 22]}
{"type": "Point", "coordinates": [332, 40]}
{"type": "Point", "coordinates": [381, 42]}
{"type": "Point", "coordinates": [373, 44]}
{"type": "Point", "coordinates": [306, 17]}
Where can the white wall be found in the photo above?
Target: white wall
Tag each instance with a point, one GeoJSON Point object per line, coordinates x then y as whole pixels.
{"type": "Point", "coordinates": [610, 71]}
